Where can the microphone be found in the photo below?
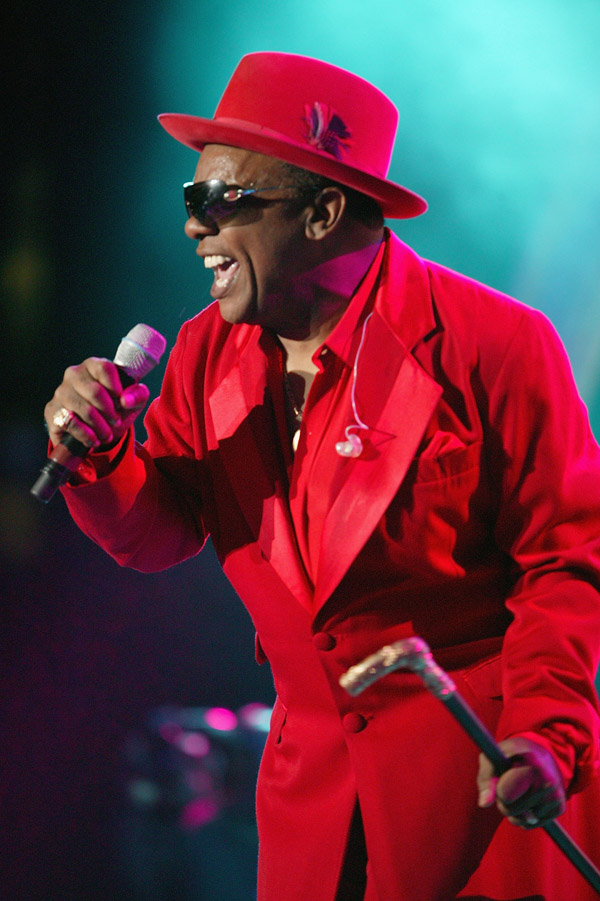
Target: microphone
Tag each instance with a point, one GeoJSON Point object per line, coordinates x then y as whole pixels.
{"type": "Point", "coordinates": [137, 354]}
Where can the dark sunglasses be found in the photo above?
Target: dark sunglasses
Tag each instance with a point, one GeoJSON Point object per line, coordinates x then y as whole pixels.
{"type": "Point", "coordinates": [209, 201]}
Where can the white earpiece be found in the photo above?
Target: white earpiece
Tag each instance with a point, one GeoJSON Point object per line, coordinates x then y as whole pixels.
{"type": "Point", "coordinates": [353, 447]}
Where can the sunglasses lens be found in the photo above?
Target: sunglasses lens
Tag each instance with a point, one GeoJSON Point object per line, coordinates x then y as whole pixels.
{"type": "Point", "coordinates": [200, 197]}
{"type": "Point", "coordinates": [209, 201]}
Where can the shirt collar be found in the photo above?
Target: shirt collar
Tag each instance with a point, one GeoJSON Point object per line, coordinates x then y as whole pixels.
{"type": "Point", "coordinates": [342, 341]}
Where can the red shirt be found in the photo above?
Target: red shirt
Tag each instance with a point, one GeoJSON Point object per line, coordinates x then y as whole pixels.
{"type": "Point", "coordinates": [328, 412]}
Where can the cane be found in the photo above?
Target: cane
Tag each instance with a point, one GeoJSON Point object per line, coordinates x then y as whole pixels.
{"type": "Point", "coordinates": [415, 655]}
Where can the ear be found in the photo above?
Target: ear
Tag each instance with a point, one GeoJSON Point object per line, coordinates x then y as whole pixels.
{"type": "Point", "coordinates": [325, 213]}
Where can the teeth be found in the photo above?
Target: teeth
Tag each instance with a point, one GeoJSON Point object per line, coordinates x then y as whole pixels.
{"type": "Point", "coordinates": [215, 260]}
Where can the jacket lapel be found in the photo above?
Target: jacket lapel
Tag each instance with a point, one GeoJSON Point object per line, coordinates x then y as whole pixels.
{"type": "Point", "coordinates": [245, 432]}
{"type": "Point", "coordinates": [396, 398]}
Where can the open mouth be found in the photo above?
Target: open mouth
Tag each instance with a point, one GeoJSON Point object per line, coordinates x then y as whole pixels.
{"type": "Point", "coordinates": [224, 269]}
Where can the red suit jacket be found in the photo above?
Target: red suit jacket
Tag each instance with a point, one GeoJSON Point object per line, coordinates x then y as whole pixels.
{"type": "Point", "coordinates": [479, 483]}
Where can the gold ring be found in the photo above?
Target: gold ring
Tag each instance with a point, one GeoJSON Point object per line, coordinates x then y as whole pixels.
{"type": "Point", "coordinates": [63, 418]}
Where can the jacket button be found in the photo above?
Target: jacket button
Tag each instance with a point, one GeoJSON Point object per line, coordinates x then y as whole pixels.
{"type": "Point", "coordinates": [323, 641]}
{"type": "Point", "coordinates": [354, 722]}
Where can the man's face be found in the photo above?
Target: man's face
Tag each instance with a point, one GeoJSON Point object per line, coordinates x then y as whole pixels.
{"type": "Point", "coordinates": [260, 255]}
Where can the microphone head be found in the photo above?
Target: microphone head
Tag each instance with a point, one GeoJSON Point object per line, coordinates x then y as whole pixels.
{"type": "Point", "coordinates": [139, 351]}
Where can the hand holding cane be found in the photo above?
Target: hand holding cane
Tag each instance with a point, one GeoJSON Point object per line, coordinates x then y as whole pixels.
{"type": "Point", "coordinates": [414, 654]}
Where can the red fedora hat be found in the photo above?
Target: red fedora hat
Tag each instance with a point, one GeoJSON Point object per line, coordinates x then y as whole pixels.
{"type": "Point", "coordinates": [311, 114]}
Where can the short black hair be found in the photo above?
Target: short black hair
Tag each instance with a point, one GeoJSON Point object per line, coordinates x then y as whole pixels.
{"type": "Point", "coordinates": [360, 206]}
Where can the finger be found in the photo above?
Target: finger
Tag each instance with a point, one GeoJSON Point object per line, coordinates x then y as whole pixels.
{"type": "Point", "coordinates": [527, 821]}
{"type": "Point", "coordinates": [537, 816]}
{"type": "Point", "coordinates": [63, 422]}
{"type": "Point", "coordinates": [134, 398]}
{"type": "Point", "coordinates": [89, 391]}
{"type": "Point", "coordinates": [105, 372]}
{"type": "Point", "coordinates": [90, 435]}
{"type": "Point", "coordinates": [537, 798]}
{"type": "Point", "coordinates": [539, 808]}
{"type": "Point", "coordinates": [486, 782]}
{"type": "Point", "coordinates": [119, 401]}
{"type": "Point", "coordinates": [530, 785]}
{"type": "Point", "coordinates": [514, 786]}
{"type": "Point", "coordinates": [87, 423]}
{"type": "Point", "coordinates": [541, 801]}
{"type": "Point", "coordinates": [550, 810]}
{"type": "Point", "coordinates": [98, 382]}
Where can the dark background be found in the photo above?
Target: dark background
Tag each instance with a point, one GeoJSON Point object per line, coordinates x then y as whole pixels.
{"type": "Point", "coordinates": [89, 650]}
{"type": "Point", "coordinates": [499, 130]}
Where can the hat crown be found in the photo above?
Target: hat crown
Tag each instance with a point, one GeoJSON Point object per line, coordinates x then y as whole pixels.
{"type": "Point", "coordinates": [315, 104]}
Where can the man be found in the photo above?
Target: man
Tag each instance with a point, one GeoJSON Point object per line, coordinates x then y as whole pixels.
{"type": "Point", "coordinates": [378, 447]}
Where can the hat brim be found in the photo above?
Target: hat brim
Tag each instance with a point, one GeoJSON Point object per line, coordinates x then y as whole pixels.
{"type": "Point", "coordinates": [395, 201]}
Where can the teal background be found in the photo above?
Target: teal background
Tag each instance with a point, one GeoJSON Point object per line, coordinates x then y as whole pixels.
{"type": "Point", "coordinates": [499, 129]}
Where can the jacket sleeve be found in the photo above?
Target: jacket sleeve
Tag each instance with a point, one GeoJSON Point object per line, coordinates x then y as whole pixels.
{"type": "Point", "coordinates": [547, 465]}
{"type": "Point", "coordinates": [143, 504]}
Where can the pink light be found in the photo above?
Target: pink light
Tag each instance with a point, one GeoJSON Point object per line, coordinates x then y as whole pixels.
{"type": "Point", "coordinates": [198, 813]}
{"type": "Point", "coordinates": [194, 744]}
{"type": "Point", "coordinates": [221, 718]}
{"type": "Point", "coordinates": [255, 716]}
{"type": "Point", "coordinates": [170, 732]}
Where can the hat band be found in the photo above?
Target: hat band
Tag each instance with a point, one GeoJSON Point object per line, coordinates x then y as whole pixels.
{"type": "Point", "coordinates": [305, 145]}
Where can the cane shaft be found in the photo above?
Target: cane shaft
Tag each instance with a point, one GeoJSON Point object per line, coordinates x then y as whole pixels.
{"type": "Point", "coordinates": [581, 861]}
{"type": "Point", "coordinates": [473, 726]}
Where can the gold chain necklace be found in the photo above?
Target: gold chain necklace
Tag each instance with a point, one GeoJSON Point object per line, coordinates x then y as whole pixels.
{"type": "Point", "coordinates": [295, 419]}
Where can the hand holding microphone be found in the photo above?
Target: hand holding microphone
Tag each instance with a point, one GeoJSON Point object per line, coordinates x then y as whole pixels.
{"type": "Point", "coordinates": [95, 404]}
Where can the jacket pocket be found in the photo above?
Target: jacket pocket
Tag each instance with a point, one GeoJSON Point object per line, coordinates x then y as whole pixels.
{"type": "Point", "coordinates": [278, 718]}
{"type": "Point", "coordinates": [484, 679]}
{"type": "Point", "coordinates": [259, 654]}
{"type": "Point", "coordinates": [481, 687]}
{"type": "Point", "coordinates": [446, 456]}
